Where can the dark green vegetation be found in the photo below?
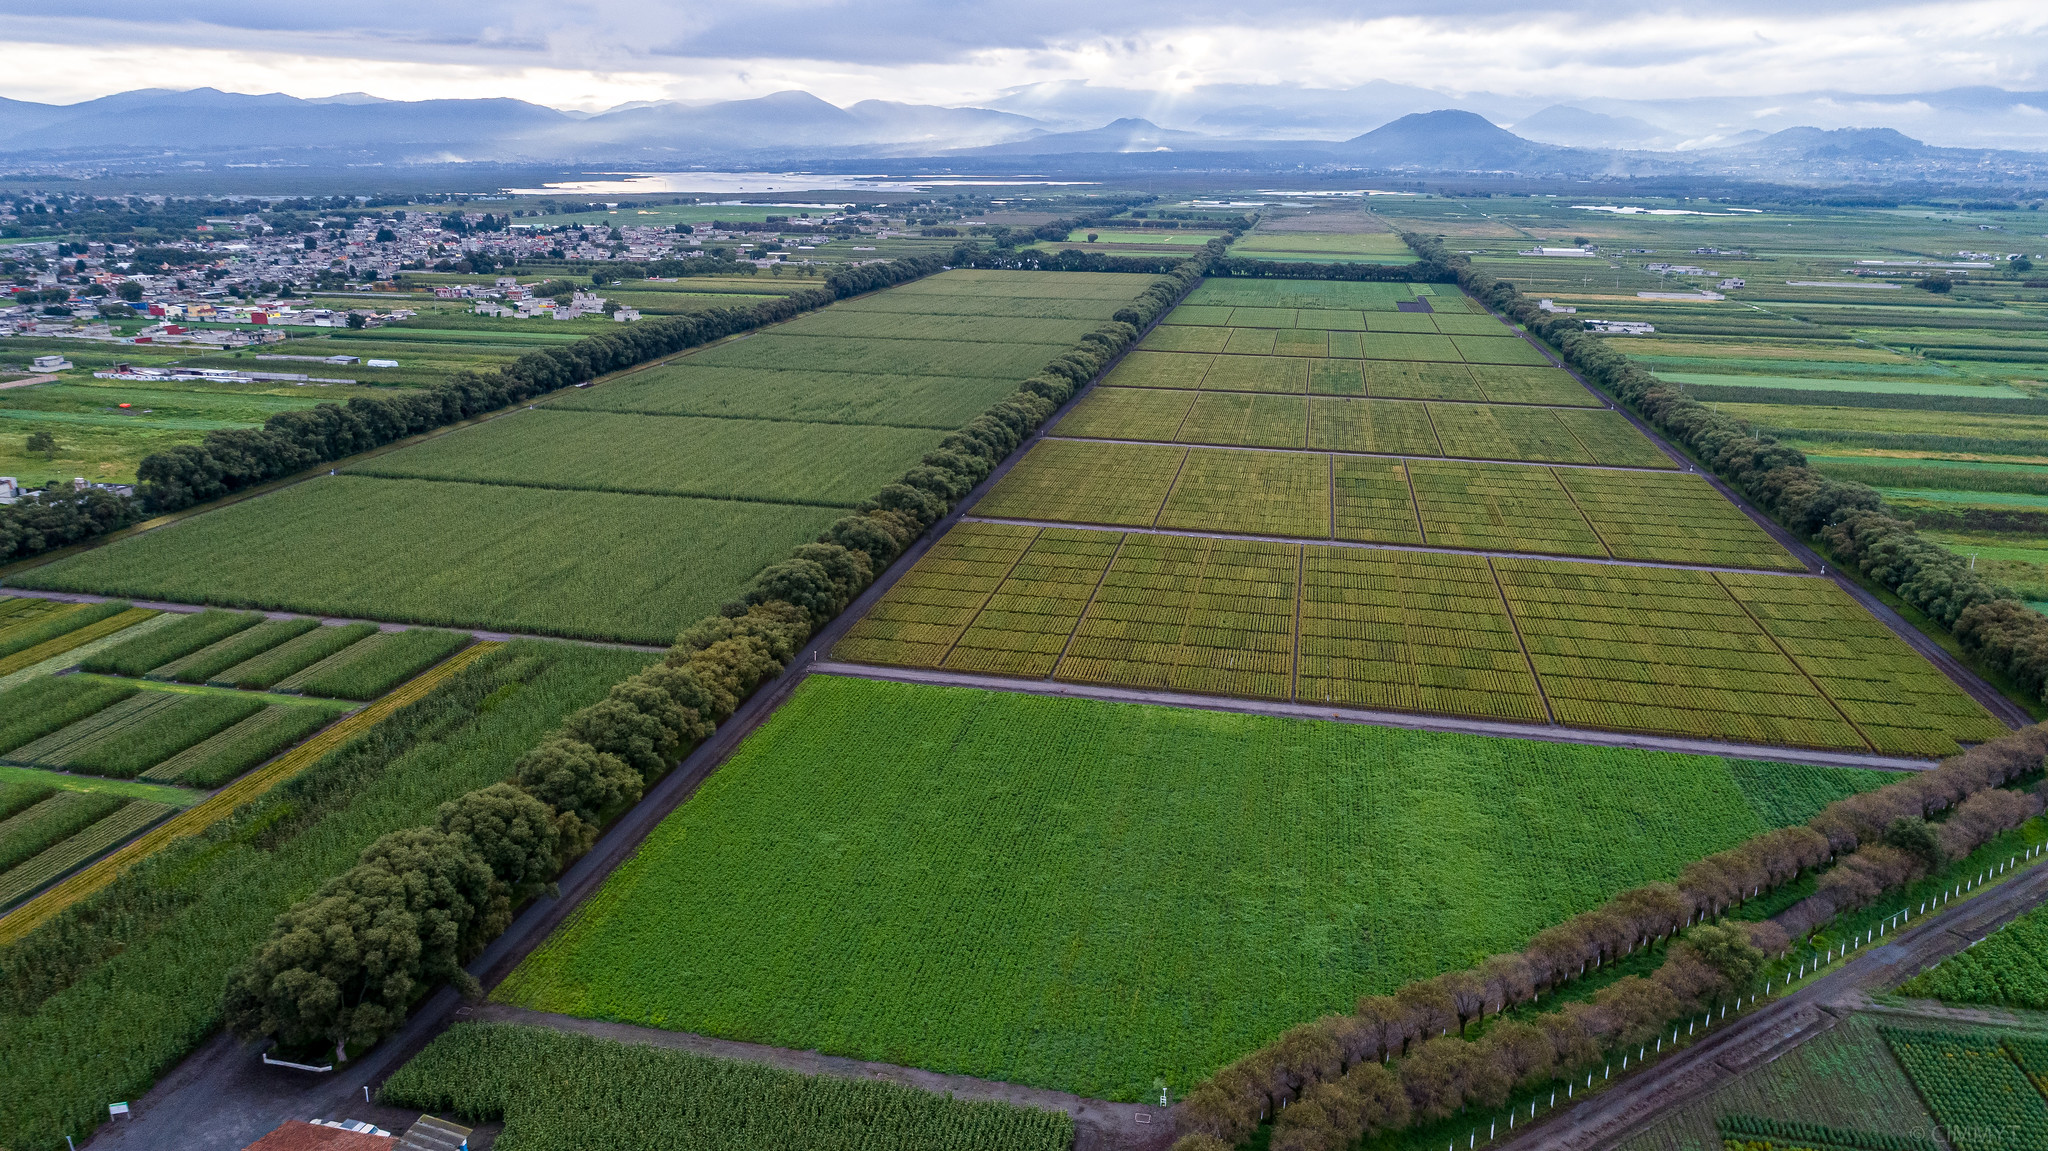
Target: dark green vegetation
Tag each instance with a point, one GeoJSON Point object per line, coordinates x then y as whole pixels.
{"type": "Point", "coordinates": [209, 661]}
{"type": "Point", "coordinates": [174, 640]}
{"type": "Point", "coordinates": [1981, 1097]}
{"type": "Point", "coordinates": [99, 1001]}
{"type": "Point", "coordinates": [34, 709]}
{"type": "Point", "coordinates": [237, 748]}
{"type": "Point", "coordinates": [34, 628]}
{"type": "Point", "coordinates": [2009, 969]}
{"type": "Point", "coordinates": [542, 522]}
{"type": "Point", "coordinates": [560, 1092]}
{"type": "Point", "coordinates": [377, 664]}
{"type": "Point", "coordinates": [1155, 891]}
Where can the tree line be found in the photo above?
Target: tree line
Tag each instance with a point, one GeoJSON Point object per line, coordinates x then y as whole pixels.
{"type": "Point", "coordinates": [343, 966]}
{"type": "Point", "coordinates": [229, 460]}
{"type": "Point", "coordinates": [1426, 271]}
{"type": "Point", "coordinates": [1990, 621]}
{"type": "Point", "coordinates": [1335, 1076]}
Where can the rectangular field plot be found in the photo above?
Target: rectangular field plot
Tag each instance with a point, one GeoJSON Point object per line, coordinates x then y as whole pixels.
{"type": "Point", "coordinates": [1484, 431]}
{"type": "Point", "coordinates": [918, 622]}
{"type": "Point", "coordinates": [1505, 384]}
{"type": "Point", "coordinates": [1404, 346]}
{"type": "Point", "coordinates": [586, 564]}
{"type": "Point", "coordinates": [1245, 419]}
{"type": "Point", "coordinates": [1143, 369]}
{"type": "Point", "coordinates": [1251, 493]}
{"type": "Point", "coordinates": [778, 352]}
{"type": "Point", "coordinates": [1071, 482]}
{"type": "Point", "coordinates": [1025, 626]}
{"type": "Point", "coordinates": [1317, 294]}
{"type": "Point", "coordinates": [1674, 518]}
{"type": "Point", "coordinates": [775, 460]}
{"type": "Point", "coordinates": [1371, 502]}
{"type": "Point", "coordinates": [1128, 414]}
{"type": "Point", "coordinates": [1046, 891]}
{"type": "Point", "coordinates": [1410, 631]}
{"type": "Point", "coordinates": [1493, 350]}
{"type": "Point", "coordinates": [1258, 374]}
{"type": "Point", "coordinates": [1500, 507]}
{"type": "Point", "coordinates": [819, 395]}
{"type": "Point", "coordinates": [1899, 701]}
{"type": "Point", "coordinates": [921, 326]}
{"type": "Point", "coordinates": [1180, 338]}
{"type": "Point", "coordinates": [1611, 439]}
{"type": "Point", "coordinates": [1381, 427]}
{"type": "Point", "coordinates": [1189, 614]}
{"type": "Point", "coordinates": [1407, 381]}
{"type": "Point", "coordinates": [1115, 289]}
{"type": "Point", "coordinates": [1639, 649]}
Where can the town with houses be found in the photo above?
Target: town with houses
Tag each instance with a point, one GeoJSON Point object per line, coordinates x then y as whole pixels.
{"type": "Point", "coordinates": [246, 269]}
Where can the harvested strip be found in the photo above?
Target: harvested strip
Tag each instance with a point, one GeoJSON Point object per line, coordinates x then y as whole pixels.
{"type": "Point", "coordinates": [294, 655]}
{"type": "Point", "coordinates": [126, 753]}
{"type": "Point", "coordinates": [180, 638]}
{"type": "Point", "coordinates": [215, 658]}
{"type": "Point", "coordinates": [41, 706]}
{"type": "Point", "coordinates": [213, 761]}
{"type": "Point", "coordinates": [64, 856]}
{"type": "Point", "coordinates": [61, 816]}
{"type": "Point", "coordinates": [106, 625]}
{"type": "Point", "coordinates": [364, 672]}
{"type": "Point", "coordinates": [201, 816]}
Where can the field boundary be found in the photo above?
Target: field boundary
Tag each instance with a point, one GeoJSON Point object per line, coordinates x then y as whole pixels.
{"type": "Point", "coordinates": [1413, 721]}
{"type": "Point", "coordinates": [1368, 545]}
{"type": "Point", "coordinates": [224, 803]}
{"type": "Point", "coordinates": [1958, 672]}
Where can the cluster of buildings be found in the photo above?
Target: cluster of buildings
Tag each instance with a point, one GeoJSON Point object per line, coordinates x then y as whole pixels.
{"type": "Point", "coordinates": [514, 301]}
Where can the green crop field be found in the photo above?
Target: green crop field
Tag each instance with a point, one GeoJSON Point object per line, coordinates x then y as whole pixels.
{"type": "Point", "coordinates": [1982, 1099]}
{"type": "Point", "coordinates": [1085, 896]}
{"type": "Point", "coordinates": [2008, 969]}
{"type": "Point", "coordinates": [1769, 660]}
{"type": "Point", "coordinates": [820, 395]}
{"type": "Point", "coordinates": [463, 555]}
{"type": "Point", "coordinates": [774, 461]}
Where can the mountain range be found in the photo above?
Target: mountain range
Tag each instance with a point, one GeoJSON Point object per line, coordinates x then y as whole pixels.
{"type": "Point", "coordinates": [1218, 126]}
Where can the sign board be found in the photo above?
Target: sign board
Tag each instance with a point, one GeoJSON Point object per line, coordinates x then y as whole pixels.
{"type": "Point", "coordinates": [116, 1109]}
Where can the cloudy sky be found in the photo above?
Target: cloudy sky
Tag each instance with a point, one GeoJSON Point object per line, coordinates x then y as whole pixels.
{"type": "Point", "coordinates": [598, 53]}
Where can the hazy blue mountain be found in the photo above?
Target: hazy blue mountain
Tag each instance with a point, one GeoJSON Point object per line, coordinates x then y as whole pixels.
{"type": "Point", "coordinates": [1576, 127]}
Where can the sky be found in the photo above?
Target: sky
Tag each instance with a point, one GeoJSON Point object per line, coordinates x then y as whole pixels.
{"type": "Point", "coordinates": [594, 54]}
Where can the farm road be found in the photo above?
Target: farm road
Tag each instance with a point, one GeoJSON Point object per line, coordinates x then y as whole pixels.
{"type": "Point", "coordinates": [1611, 1116]}
{"type": "Point", "coordinates": [1413, 721]}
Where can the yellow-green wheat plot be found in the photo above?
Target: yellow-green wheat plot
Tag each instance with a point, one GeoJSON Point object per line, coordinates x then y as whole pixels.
{"type": "Point", "coordinates": [1410, 631]}
{"type": "Point", "coordinates": [1187, 614]}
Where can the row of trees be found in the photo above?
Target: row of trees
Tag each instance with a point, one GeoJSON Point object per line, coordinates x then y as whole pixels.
{"type": "Point", "coordinates": [1427, 271]}
{"type": "Point", "coordinates": [343, 966]}
{"type": "Point", "coordinates": [1851, 519]}
{"type": "Point", "coordinates": [1329, 1069]}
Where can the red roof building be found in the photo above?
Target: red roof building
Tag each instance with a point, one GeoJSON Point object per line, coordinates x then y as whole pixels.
{"type": "Point", "coordinates": [298, 1136]}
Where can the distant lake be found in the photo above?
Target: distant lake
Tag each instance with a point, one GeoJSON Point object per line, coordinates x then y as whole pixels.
{"type": "Point", "coordinates": [753, 183]}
